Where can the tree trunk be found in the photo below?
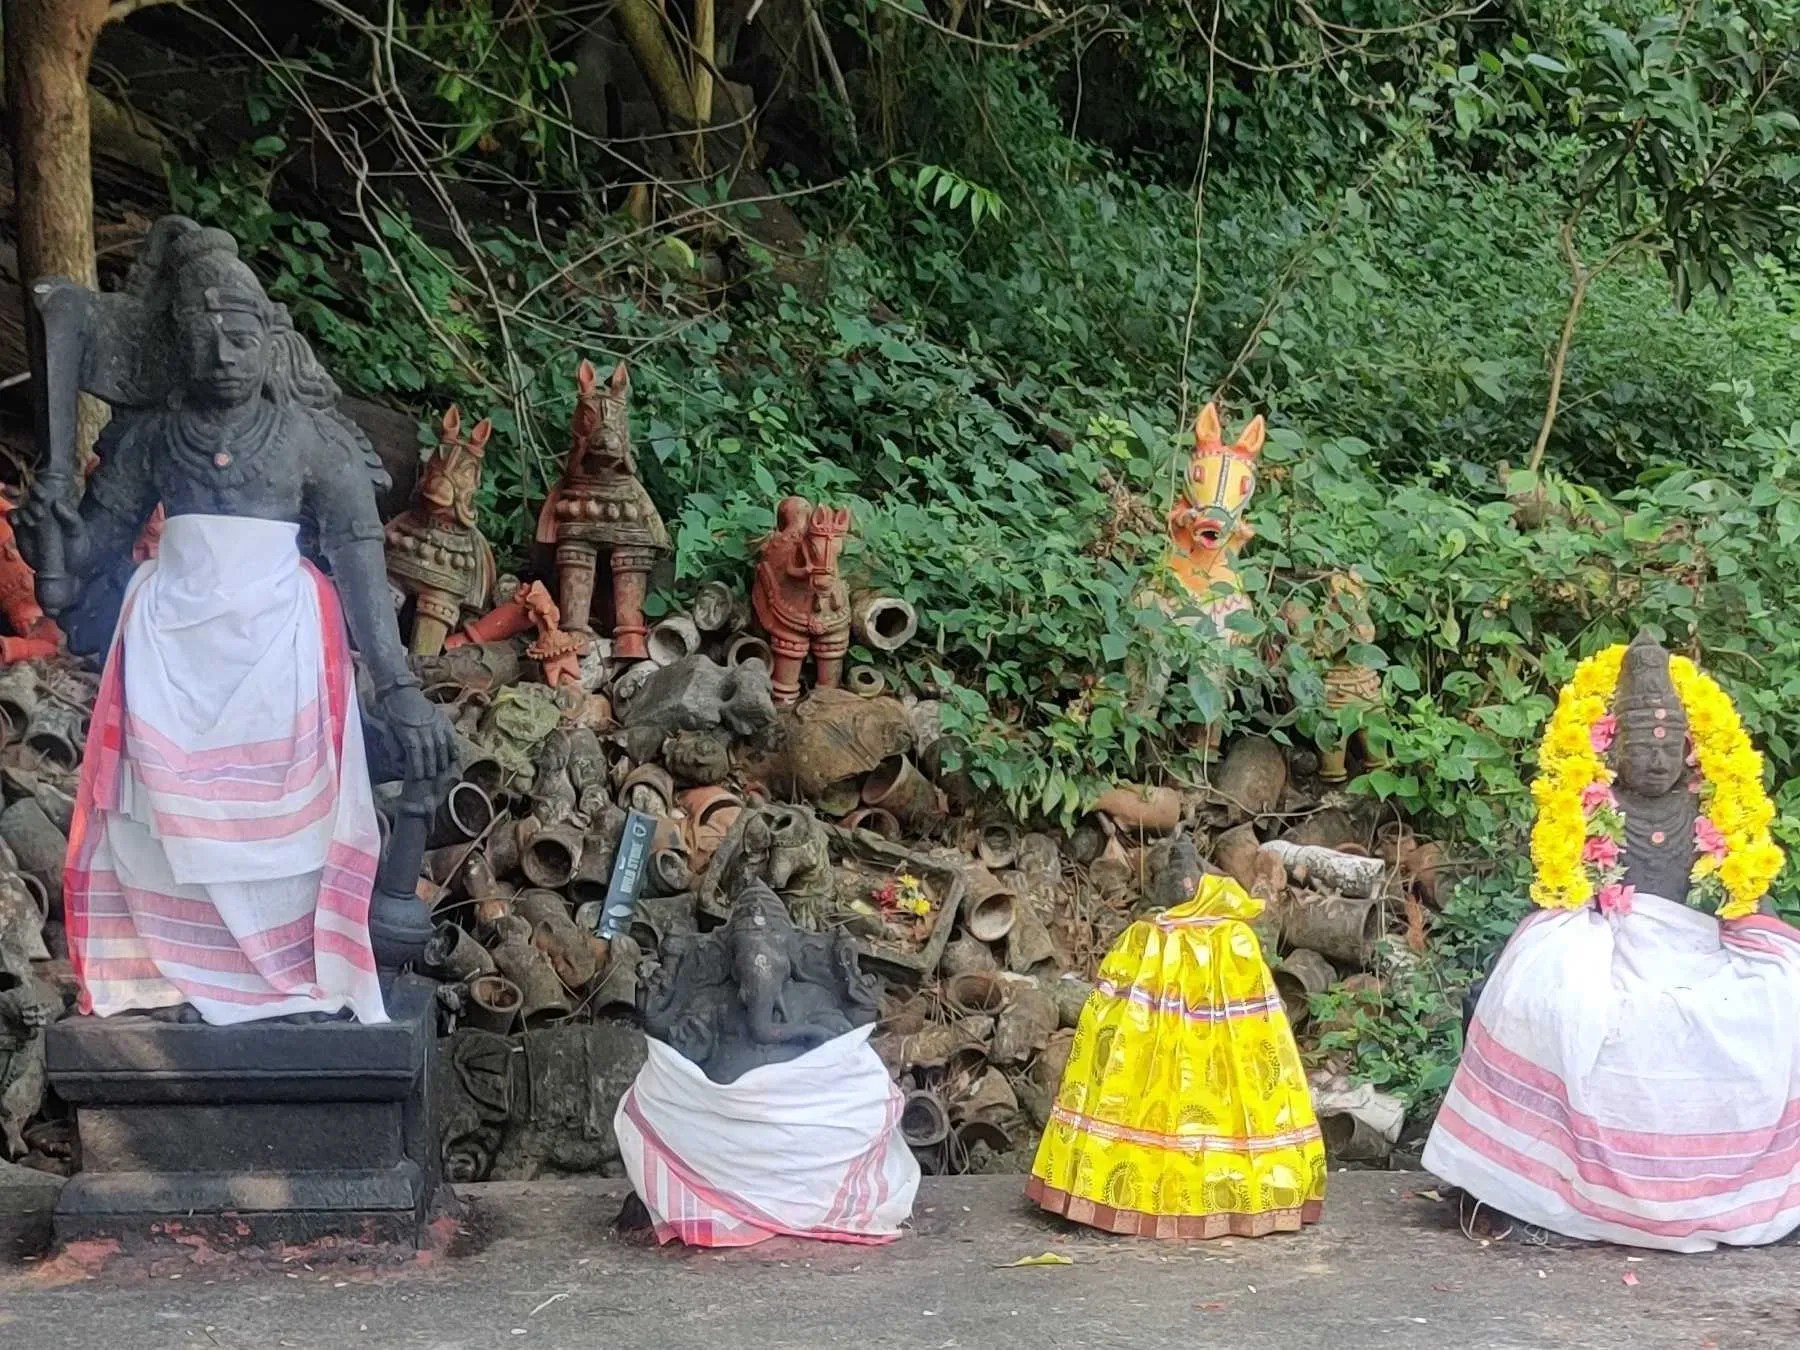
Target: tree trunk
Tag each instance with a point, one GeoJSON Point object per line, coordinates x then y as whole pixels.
{"type": "Point", "coordinates": [49, 45]}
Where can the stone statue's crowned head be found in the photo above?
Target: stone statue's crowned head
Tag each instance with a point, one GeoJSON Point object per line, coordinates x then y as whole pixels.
{"type": "Point", "coordinates": [1650, 750]}
{"type": "Point", "coordinates": [223, 319]}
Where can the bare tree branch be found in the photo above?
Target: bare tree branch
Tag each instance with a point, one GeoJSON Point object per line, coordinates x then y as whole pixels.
{"type": "Point", "coordinates": [124, 9]}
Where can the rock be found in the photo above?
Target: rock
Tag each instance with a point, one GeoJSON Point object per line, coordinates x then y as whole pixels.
{"type": "Point", "coordinates": [697, 758]}
{"type": "Point", "coordinates": [1252, 779]}
{"type": "Point", "coordinates": [827, 737]}
{"type": "Point", "coordinates": [696, 693]}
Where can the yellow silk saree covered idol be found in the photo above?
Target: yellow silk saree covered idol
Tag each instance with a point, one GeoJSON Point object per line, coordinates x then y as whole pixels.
{"type": "Point", "coordinates": [1184, 1112]}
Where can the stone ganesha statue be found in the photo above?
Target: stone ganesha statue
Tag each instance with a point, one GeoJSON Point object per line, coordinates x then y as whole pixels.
{"type": "Point", "coordinates": [435, 554]}
{"type": "Point", "coordinates": [599, 507]}
{"type": "Point", "coordinates": [756, 991]}
{"type": "Point", "coordinates": [799, 598]}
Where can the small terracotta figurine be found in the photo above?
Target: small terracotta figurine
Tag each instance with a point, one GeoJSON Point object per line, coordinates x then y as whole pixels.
{"type": "Point", "coordinates": [600, 507]}
{"type": "Point", "coordinates": [1328, 635]}
{"type": "Point", "coordinates": [799, 598]}
{"type": "Point", "coordinates": [435, 555]}
{"type": "Point", "coordinates": [1207, 528]}
{"type": "Point", "coordinates": [558, 652]}
{"type": "Point", "coordinates": [35, 636]}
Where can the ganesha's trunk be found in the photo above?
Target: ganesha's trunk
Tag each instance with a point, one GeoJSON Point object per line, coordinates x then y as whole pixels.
{"type": "Point", "coordinates": [760, 982]}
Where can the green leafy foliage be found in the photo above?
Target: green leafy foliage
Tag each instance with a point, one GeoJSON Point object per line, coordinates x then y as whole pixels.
{"type": "Point", "coordinates": [998, 345]}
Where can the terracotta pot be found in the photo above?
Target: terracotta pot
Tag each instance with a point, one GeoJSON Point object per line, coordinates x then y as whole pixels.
{"type": "Point", "coordinates": [53, 734]}
{"type": "Point", "coordinates": [1252, 779]}
{"type": "Point", "coordinates": [1155, 810]}
{"type": "Point", "coordinates": [466, 811]}
{"type": "Point", "coordinates": [998, 845]}
{"type": "Point", "coordinates": [865, 681]}
{"type": "Point", "coordinates": [882, 623]}
{"type": "Point", "coordinates": [493, 1005]}
{"type": "Point", "coordinates": [552, 855]}
{"type": "Point", "coordinates": [1070, 995]}
{"type": "Point", "coordinates": [1341, 928]}
{"type": "Point", "coordinates": [543, 998]}
{"type": "Point", "coordinates": [669, 872]}
{"type": "Point", "coordinates": [990, 908]}
{"type": "Point", "coordinates": [504, 845]}
{"type": "Point", "coordinates": [1351, 874]}
{"type": "Point", "coordinates": [966, 956]}
{"type": "Point", "coordinates": [555, 934]}
{"type": "Point", "coordinates": [716, 606]}
{"type": "Point", "coordinates": [874, 820]}
{"type": "Point", "coordinates": [488, 774]}
{"type": "Point", "coordinates": [1024, 1025]}
{"type": "Point", "coordinates": [648, 788]}
{"type": "Point", "coordinates": [924, 1121]}
{"type": "Point", "coordinates": [594, 869]}
{"type": "Point", "coordinates": [39, 846]}
{"type": "Point", "coordinates": [898, 787]}
{"type": "Point", "coordinates": [711, 812]}
{"type": "Point", "coordinates": [839, 798]}
{"type": "Point", "coordinates": [988, 1097]}
{"type": "Point", "coordinates": [748, 647]}
{"type": "Point", "coordinates": [19, 695]}
{"type": "Point", "coordinates": [978, 994]}
{"type": "Point", "coordinates": [459, 956]}
{"type": "Point", "coordinates": [672, 638]}
{"type": "Point", "coordinates": [1028, 944]}
{"type": "Point", "coordinates": [1349, 1138]}
{"type": "Point", "coordinates": [1298, 976]}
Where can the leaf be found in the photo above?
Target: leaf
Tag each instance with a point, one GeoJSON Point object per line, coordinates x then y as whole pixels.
{"type": "Point", "coordinates": [1045, 1259]}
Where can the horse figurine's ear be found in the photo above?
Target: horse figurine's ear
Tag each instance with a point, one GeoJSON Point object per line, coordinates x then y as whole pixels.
{"type": "Point", "coordinates": [452, 423]}
{"type": "Point", "coordinates": [478, 438]}
{"type": "Point", "coordinates": [841, 520]}
{"type": "Point", "coordinates": [585, 376]}
{"type": "Point", "coordinates": [1250, 439]}
{"type": "Point", "coordinates": [621, 380]}
{"type": "Point", "coordinates": [1207, 435]}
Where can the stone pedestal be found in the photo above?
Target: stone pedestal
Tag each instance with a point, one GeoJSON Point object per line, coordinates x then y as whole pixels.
{"type": "Point", "coordinates": [248, 1135]}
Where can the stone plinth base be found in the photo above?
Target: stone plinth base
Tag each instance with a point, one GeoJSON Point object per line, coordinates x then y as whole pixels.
{"type": "Point", "coordinates": [255, 1134]}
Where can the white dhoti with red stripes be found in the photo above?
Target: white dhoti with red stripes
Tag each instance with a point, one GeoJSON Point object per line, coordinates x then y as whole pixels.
{"type": "Point", "coordinates": [809, 1148]}
{"type": "Point", "coordinates": [225, 839]}
{"type": "Point", "coordinates": [1634, 1079]}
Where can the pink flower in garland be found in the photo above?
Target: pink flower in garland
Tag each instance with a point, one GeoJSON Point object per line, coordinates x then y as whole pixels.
{"type": "Point", "coordinates": [1615, 898]}
{"type": "Point", "coordinates": [1601, 733]}
{"type": "Point", "coordinates": [1596, 795]}
{"type": "Point", "coordinates": [1708, 839]}
{"type": "Point", "coordinates": [1600, 851]}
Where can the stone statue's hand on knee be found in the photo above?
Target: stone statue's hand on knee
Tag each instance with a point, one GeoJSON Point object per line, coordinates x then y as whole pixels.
{"type": "Point", "coordinates": [421, 733]}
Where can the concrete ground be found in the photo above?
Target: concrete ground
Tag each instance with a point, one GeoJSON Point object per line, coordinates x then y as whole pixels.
{"type": "Point", "coordinates": [1387, 1269]}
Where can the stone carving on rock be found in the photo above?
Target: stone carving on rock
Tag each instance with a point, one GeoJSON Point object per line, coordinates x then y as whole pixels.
{"type": "Point", "coordinates": [540, 1103]}
{"type": "Point", "coordinates": [756, 991]}
{"type": "Point", "coordinates": [435, 554]}
{"type": "Point", "coordinates": [799, 598]}
{"type": "Point", "coordinates": [600, 509]}
{"type": "Point", "coordinates": [27, 1005]}
{"type": "Point", "coordinates": [785, 847]}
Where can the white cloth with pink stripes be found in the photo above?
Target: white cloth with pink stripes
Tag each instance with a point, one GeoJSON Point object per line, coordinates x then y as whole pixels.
{"type": "Point", "coordinates": [1634, 1079]}
{"type": "Point", "coordinates": [809, 1148]}
{"type": "Point", "coordinates": [226, 841]}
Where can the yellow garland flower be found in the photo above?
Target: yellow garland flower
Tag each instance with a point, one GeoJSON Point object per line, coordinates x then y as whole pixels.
{"type": "Point", "coordinates": [1732, 791]}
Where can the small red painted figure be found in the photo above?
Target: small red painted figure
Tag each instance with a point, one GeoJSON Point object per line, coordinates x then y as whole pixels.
{"type": "Point", "coordinates": [35, 635]}
{"type": "Point", "coordinates": [435, 555]}
{"type": "Point", "coordinates": [600, 507]}
{"type": "Point", "coordinates": [799, 598]}
{"type": "Point", "coordinates": [558, 652]}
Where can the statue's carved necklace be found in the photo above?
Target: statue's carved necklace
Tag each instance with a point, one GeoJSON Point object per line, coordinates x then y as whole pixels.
{"type": "Point", "coordinates": [223, 456]}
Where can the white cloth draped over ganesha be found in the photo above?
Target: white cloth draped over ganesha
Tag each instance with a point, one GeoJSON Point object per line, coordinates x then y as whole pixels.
{"type": "Point", "coordinates": [225, 839]}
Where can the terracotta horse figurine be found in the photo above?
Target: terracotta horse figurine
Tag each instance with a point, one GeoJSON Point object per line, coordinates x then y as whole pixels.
{"type": "Point", "coordinates": [435, 555]}
{"type": "Point", "coordinates": [1207, 528]}
{"type": "Point", "coordinates": [799, 598]}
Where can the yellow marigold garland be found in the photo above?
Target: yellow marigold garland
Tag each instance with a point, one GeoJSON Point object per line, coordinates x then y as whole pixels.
{"type": "Point", "coordinates": [1576, 839]}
